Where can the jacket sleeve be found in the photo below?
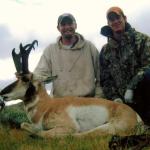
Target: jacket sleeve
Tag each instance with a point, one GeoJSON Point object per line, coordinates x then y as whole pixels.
{"type": "Point", "coordinates": [95, 59]}
{"type": "Point", "coordinates": [144, 62]}
{"type": "Point", "coordinates": [43, 68]}
{"type": "Point", "coordinates": [106, 80]}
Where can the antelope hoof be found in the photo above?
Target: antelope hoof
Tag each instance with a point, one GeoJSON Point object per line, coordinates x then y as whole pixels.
{"type": "Point", "coordinates": [29, 127]}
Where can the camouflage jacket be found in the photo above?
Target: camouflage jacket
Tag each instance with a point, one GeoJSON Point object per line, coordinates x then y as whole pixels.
{"type": "Point", "coordinates": [123, 64]}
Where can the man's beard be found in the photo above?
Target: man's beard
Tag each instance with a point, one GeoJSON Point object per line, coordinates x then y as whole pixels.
{"type": "Point", "coordinates": [68, 37]}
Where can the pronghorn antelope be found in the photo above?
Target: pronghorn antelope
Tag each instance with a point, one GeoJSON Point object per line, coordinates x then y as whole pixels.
{"type": "Point", "coordinates": [68, 115]}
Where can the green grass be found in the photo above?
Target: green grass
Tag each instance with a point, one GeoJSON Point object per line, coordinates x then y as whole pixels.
{"type": "Point", "coordinates": [16, 139]}
{"type": "Point", "coordinates": [13, 138]}
{"type": "Point", "coordinates": [13, 115]}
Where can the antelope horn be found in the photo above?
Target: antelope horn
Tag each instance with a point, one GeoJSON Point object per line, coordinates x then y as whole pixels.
{"type": "Point", "coordinates": [28, 47]}
{"type": "Point", "coordinates": [17, 61]}
{"type": "Point", "coordinates": [21, 59]}
{"type": "Point", "coordinates": [33, 43]}
{"type": "Point", "coordinates": [25, 51]}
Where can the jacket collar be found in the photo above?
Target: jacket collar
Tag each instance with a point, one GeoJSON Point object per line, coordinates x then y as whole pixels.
{"type": "Point", "coordinates": [78, 45]}
{"type": "Point", "coordinates": [127, 38]}
{"type": "Point", "coordinates": [107, 31]}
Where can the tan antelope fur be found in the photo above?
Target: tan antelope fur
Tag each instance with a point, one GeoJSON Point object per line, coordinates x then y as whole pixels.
{"type": "Point", "coordinates": [68, 115]}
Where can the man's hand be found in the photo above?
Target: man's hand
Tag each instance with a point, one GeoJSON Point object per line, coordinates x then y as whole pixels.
{"type": "Point", "coordinates": [128, 97]}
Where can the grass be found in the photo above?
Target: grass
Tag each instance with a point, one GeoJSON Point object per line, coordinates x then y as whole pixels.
{"type": "Point", "coordinates": [13, 115]}
{"type": "Point", "coordinates": [13, 138]}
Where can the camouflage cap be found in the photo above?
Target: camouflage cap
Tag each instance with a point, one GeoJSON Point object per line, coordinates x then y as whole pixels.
{"type": "Point", "coordinates": [66, 17]}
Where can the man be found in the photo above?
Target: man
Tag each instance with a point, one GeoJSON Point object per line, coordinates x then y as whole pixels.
{"type": "Point", "coordinates": [125, 64]}
{"type": "Point", "coordinates": [73, 59]}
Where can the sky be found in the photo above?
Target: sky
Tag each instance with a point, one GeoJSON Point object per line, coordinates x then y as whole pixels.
{"type": "Point", "coordinates": [22, 21]}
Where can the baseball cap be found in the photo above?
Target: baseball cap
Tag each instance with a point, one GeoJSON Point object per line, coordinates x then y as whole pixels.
{"type": "Point", "coordinates": [115, 10]}
{"type": "Point", "coordinates": [66, 17]}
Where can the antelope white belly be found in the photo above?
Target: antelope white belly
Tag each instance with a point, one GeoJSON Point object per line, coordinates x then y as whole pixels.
{"type": "Point", "coordinates": [88, 117]}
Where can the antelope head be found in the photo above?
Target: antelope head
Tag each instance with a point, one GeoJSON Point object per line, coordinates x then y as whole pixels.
{"type": "Point", "coordinates": [27, 85]}
{"type": "Point", "coordinates": [19, 88]}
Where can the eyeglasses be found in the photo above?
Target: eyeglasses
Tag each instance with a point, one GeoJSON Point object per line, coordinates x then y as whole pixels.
{"type": "Point", "coordinates": [113, 16]}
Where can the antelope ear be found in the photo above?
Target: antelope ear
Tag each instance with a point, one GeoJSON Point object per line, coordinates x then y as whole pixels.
{"type": "Point", "coordinates": [49, 79]}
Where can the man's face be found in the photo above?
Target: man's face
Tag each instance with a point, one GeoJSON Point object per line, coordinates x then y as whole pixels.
{"type": "Point", "coordinates": [116, 22]}
{"type": "Point", "coordinates": [67, 28]}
